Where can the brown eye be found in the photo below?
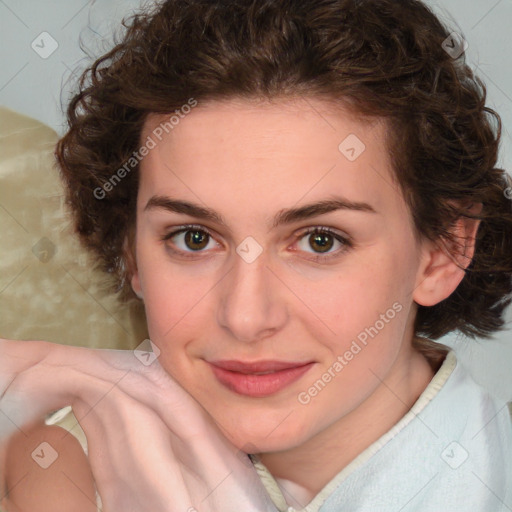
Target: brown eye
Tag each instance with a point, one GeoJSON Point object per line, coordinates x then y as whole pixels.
{"type": "Point", "coordinates": [188, 239]}
{"type": "Point", "coordinates": [196, 239]}
{"type": "Point", "coordinates": [321, 241]}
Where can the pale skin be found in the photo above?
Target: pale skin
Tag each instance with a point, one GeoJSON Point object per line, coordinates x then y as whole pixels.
{"type": "Point", "coordinates": [248, 162]}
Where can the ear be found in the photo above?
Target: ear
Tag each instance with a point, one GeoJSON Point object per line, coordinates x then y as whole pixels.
{"type": "Point", "coordinates": [132, 272]}
{"type": "Point", "coordinates": [444, 263]}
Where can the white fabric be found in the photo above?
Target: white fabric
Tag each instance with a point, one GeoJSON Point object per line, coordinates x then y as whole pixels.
{"type": "Point", "coordinates": [452, 452]}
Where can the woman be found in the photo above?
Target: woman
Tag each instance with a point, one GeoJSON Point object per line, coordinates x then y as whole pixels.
{"type": "Point", "coordinates": [305, 197]}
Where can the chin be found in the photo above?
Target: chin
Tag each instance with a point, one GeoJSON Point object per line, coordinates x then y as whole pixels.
{"type": "Point", "coordinates": [255, 435]}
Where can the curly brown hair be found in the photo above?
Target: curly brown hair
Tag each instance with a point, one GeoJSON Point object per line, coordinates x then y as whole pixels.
{"type": "Point", "coordinates": [382, 58]}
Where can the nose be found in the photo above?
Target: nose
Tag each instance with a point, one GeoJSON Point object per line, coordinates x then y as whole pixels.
{"type": "Point", "coordinates": [252, 305]}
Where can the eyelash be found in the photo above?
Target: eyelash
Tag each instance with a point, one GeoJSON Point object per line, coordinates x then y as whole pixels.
{"type": "Point", "coordinates": [345, 241]}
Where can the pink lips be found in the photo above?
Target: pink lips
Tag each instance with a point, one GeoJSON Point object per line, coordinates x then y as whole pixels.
{"type": "Point", "coordinates": [247, 378]}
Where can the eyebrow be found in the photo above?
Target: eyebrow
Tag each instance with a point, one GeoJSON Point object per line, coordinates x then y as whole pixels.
{"type": "Point", "coordinates": [285, 216]}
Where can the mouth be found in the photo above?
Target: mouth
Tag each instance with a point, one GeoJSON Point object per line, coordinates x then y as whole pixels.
{"type": "Point", "coordinates": [258, 379]}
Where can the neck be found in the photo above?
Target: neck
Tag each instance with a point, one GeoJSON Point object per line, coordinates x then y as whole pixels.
{"type": "Point", "coordinates": [303, 471]}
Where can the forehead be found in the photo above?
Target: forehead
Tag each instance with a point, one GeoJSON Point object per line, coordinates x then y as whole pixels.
{"type": "Point", "coordinates": [263, 118]}
{"type": "Point", "coordinates": [282, 149]}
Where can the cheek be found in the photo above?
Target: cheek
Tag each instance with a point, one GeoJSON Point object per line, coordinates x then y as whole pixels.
{"type": "Point", "coordinates": [369, 321]}
{"type": "Point", "coordinates": [171, 295]}
{"type": "Point", "coordinates": [346, 302]}
{"type": "Point", "coordinates": [366, 308]}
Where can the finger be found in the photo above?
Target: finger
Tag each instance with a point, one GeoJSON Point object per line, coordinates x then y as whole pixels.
{"type": "Point", "coordinates": [39, 377]}
{"type": "Point", "coordinates": [153, 386]}
{"type": "Point", "coordinates": [132, 459]}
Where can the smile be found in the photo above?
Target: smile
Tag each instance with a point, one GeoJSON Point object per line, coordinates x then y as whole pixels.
{"type": "Point", "coordinates": [258, 379]}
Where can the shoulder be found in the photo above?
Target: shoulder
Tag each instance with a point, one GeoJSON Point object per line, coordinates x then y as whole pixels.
{"type": "Point", "coordinates": [46, 469]}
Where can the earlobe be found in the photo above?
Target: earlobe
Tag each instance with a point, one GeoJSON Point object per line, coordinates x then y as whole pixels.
{"type": "Point", "coordinates": [135, 282]}
{"type": "Point", "coordinates": [444, 262]}
{"type": "Point", "coordinates": [131, 268]}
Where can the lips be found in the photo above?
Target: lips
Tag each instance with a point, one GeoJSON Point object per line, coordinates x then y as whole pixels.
{"type": "Point", "coordinates": [257, 367]}
{"type": "Point", "coordinates": [260, 378]}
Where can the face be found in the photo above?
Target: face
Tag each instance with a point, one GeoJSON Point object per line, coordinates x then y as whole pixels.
{"type": "Point", "coordinates": [268, 234]}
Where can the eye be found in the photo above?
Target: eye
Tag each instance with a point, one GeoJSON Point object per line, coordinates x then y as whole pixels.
{"type": "Point", "coordinates": [322, 240]}
{"type": "Point", "coordinates": [192, 238]}
{"type": "Point", "coordinates": [195, 238]}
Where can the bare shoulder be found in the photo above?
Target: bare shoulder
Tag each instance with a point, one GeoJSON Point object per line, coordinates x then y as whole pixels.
{"type": "Point", "coordinates": [46, 469]}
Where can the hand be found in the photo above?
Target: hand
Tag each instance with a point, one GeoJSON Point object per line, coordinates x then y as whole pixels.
{"type": "Point", "coordinates": [151, 445]}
